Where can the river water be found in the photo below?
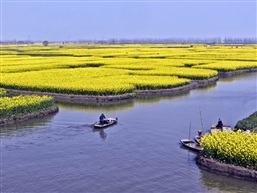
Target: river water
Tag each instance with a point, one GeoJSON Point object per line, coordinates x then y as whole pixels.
{"type": "Point", "coordinates": [141, 154]}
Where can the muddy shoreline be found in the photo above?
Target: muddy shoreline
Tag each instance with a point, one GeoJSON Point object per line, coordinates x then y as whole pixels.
{"type": "Point", "coordinates": [40, 114]}
{"type": "Point", "coordinates": [230, 170]}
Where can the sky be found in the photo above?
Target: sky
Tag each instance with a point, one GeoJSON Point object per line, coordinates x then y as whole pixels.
{"type": "Point", "coordinates": [56, 20]}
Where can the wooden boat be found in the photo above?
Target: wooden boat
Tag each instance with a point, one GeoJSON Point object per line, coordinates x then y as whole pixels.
{"type": "Point", "coordinates": [224, 128]}
{"type": "Point", "coordinates": [108, 122]}
{"type": "Point", "coordinates": [191, 145]}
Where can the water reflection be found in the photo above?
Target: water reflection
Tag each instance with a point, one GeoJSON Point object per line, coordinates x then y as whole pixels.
{"type": "Point", "coordinates": [35, 123]}
{"type": "Point", "coordinates": [239, 77]}
{"type": "Point", "coordinates": [101, 132]}
{"type": "Point", "coordinates": [217, 183]}
{"type": "Point", "coordinates": [119, 105]}
{"type": "Point", "coordinates": [159, 97]}
{"type": "Point", "coordinates": [95, 106]}
{"type": "Point", "coordinates": [213, 86]}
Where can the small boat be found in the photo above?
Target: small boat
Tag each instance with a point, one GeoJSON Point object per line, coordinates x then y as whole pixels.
{"type": "Point", "coordinates": [224, 128]}
{"type": "Point", "coordinates": [191, 145]}
{"type": "Point", "coordinates": [107, 122]}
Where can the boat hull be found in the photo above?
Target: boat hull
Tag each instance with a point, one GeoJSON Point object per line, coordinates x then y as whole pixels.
{"type": "Point", "coordinates": [189, 144]}
{"type": "Point", "coordinates": [224, 128]}
{"type": "Point", "coordinates": [109, 122]}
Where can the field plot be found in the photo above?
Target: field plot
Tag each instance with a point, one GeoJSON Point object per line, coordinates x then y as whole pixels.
{"type": "Point", "coordinates": [232, 147]}
{"type": "Point", "coordinates": [117, 69]}
{"type": "Point", "coordinates": [12, 107]}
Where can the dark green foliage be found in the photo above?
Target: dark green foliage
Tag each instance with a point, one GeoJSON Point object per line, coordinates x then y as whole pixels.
{"type": "Point", "coordinates": [45, 43]}
{"type": "Point", "coordinates": [247, 123]}
{"type": "Point", "coordinates": [2, 92]}
{"type": "Point", "coordinates": [87, 66]}
{"type": "Point", "coordinates": [188, 65]}
{"type": "Point", "coordinates": [108, 56]}
{"type": "Point", "coordinates": [48, 54]}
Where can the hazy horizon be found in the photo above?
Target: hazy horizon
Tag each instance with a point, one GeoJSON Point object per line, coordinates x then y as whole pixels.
{"type": "Point", "coordinates": [102, 20]}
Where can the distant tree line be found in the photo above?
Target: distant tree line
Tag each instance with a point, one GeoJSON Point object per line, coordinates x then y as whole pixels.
{"type": "Point", "coordinates": [216, 40]}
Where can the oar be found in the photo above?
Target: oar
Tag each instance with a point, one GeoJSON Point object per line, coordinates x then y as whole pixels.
{"type": "Point", "coordinates": [201, 118]}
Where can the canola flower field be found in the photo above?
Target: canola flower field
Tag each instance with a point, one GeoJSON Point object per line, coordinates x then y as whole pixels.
{"type": "Point", "coordinates": [12, 107]}
{"type": "Point", "coordinates": [119, 69]}
{"type": "Point", "coordinates": [116, 69]}
{"type": "Point", "coordinates": [232, 148]}
{"type": "Point", "coordinates": [17, 106]}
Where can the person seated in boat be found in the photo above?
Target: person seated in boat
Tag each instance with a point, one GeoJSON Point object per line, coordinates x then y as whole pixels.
{"type": "Point", "coordinates": [200, 134]}
{"type": "Point", "coordinates": [219, 125]}
{"type": "Point", "coordinates": [102, 119]}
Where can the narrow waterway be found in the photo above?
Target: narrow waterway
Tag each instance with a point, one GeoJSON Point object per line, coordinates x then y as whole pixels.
{"type": "Point", "coordinates": [142, 153]}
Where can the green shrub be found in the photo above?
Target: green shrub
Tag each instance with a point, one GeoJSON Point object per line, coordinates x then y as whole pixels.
{"type": "Point", "coordinates": [247, 123]}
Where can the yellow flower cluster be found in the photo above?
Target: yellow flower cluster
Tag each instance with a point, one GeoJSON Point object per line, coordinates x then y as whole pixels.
{"type": "Point", "coordinates": [231, 147]}
{"type": "Point", "coordinates": [10, 107]}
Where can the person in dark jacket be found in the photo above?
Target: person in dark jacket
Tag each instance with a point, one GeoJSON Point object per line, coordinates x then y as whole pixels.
{"type": "Point", "coordinates": [102, 119]}
{"type": "Point", "coordinates": [220, 124]}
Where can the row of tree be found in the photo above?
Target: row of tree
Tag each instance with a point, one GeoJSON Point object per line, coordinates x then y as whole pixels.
{"type": "Point", "coordinates": [149, 41]}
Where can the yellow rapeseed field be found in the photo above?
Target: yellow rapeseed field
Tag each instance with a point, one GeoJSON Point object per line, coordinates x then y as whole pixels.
{"type": "Point", "coordinates": [116, 69]}
{"type": "Point", "coordinates": [10, 107]}
{"type": "Point", "coordinates": [231, 147]}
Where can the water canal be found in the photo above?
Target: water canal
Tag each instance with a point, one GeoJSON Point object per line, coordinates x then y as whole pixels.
{"type": "Point", "coordinates": [62, 153]}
